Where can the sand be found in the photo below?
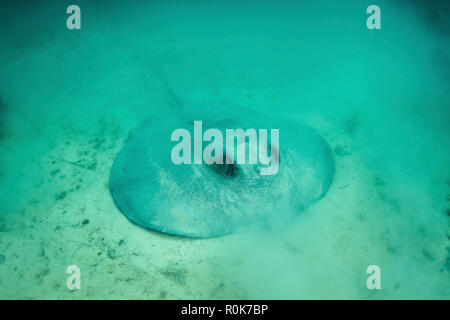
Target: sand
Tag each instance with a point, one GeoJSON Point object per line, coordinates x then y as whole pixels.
{"type": "Point", "coordinates": [71, 98]}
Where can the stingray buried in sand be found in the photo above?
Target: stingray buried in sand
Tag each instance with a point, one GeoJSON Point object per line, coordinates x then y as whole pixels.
{"type": "Point", "coordinates": [201, 200]}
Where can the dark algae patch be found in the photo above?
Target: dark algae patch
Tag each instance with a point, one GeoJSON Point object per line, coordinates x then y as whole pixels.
{"type": "Point", "coordinates": [61, 195]}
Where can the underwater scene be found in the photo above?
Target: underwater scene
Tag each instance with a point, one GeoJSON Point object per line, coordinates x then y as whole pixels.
{"type": "Point", "coordinates": [247, 149]}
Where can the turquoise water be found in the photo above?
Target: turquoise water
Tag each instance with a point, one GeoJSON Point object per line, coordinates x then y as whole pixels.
{"type": "Point", "coordinates": [70, 98]}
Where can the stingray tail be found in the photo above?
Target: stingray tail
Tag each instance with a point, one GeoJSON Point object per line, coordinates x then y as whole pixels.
{"type": "Point", "coordinates": [176, 102]}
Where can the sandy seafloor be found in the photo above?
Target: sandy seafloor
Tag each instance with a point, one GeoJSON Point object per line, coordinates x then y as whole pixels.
{"type": "Point", "coordinates": [69, 99]}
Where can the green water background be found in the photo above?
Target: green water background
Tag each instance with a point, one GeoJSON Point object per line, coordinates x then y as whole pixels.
{"type": "Point", "coordinates": [378, 96]}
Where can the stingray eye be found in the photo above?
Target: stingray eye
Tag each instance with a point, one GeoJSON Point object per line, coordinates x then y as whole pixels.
{"type": "Point", "coordinates": [231, 170]}
{"type": "Point", "coordinates": [225, 169]}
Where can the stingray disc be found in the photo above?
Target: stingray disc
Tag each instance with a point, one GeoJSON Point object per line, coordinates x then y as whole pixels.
{"type": "Point", "coordinates": [200, 200]}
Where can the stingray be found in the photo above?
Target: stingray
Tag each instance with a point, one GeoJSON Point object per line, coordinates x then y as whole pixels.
{"type": "Point", "coordinates": [203, 201]}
